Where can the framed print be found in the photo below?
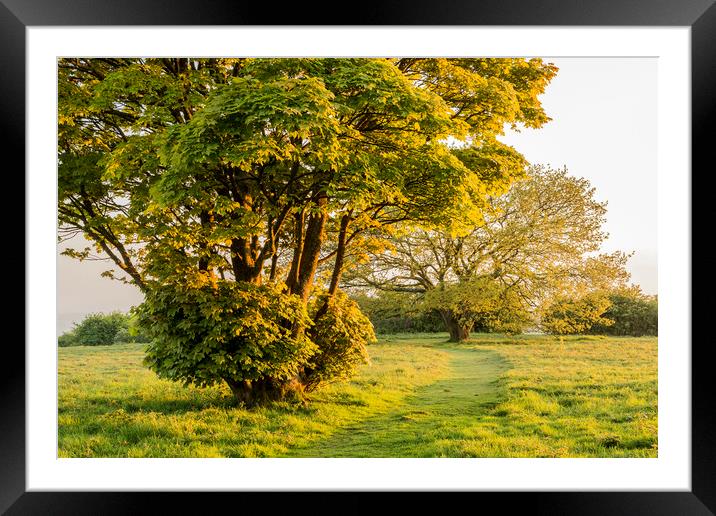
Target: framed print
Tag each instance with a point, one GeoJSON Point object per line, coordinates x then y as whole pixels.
{"type": "Point", "coordinates": [621, 55]}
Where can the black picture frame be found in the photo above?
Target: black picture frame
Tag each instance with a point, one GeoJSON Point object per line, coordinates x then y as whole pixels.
{"type": "Point", "coordinates": [700, 15]}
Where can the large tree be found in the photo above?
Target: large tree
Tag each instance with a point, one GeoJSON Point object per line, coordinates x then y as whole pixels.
{"type": "Point", "coordinates": [535, 241]}
{"type": "Point", "coordinates": [218, 186]}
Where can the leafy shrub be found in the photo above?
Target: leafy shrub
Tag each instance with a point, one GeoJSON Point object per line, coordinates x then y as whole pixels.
{"type": "Point", "coordinates": [398, 312]}
{"type": "Point", "coordinates": [131, 332]}
{"type": "Point", "coordinates": [632, 314]}
{"type": "Point", "coordinates": [124, 335]}
{"type": "Point", "coordinates": [341, 333]}
{"type": "Point", "coordinates": [481, 303]}
{"type": "Point", "coordinates": [67, 339]}
{"type": "Point", "coordinates": [99, 329]}
{"type": "Point", "coordinates": [103, 329]}
{"type": "Point", "coordinates": [244, 334]}
{"type": "Point", "coordinates": [508, 316]}
{"type": "Point", "coordinates": [565, 316]}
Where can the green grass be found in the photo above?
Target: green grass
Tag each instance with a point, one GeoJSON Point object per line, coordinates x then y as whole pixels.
{"type": "Point", "coordinates": [494, 396]}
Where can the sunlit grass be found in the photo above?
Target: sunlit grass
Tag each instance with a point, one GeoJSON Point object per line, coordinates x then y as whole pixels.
{"type": "Point", "coordinates": [112, 406]}
{"type": "Point", "coordinates": [494, 396]}
{"type": "Point", "coordinates": [583, 397]}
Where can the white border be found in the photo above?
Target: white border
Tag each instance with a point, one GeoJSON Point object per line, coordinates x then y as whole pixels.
{"type": "Point", "coordinates": [670, 471]}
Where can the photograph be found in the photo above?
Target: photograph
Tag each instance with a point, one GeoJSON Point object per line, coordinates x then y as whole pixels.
{"type": "Point", "coordinates": [357, 257]}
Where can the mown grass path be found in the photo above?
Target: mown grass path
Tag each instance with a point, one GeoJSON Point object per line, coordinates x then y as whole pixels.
{"type": "Point", "coordinates": [434, 415]}
{"type": "Point", "coordinates": [493, 396]}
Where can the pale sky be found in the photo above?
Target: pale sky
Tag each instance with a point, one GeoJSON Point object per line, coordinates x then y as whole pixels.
{"type": "Point", "coordinates": [603, 128]}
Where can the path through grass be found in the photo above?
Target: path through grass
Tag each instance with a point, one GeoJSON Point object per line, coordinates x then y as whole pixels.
{"type": "Point", "coordinates": [433, 415]}
{"type": "Point", "coordinates": [494, 396]}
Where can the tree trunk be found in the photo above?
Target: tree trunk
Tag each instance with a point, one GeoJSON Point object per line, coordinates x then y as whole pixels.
{"type": "Point", "coordinates": [205, 219]}
{"type": "Point", "coordinates": [338, 265]}
{"type": "Point", "coordinates": [292, 278]}
{"type": "Point", "coordinates": [242, 262]}
{"type": "Point", "coordinates": [274, 264]}
{"type": "Point", "coordinates": [258, 392]}
{"type": "Point", "coordinates": [242, 391]}
{"type": "Point", "coordinates": [458, 332]}
{"type": "Point", "coordinates": [340, 255]}
{"type": "Point", "coordinates": [315, 233]}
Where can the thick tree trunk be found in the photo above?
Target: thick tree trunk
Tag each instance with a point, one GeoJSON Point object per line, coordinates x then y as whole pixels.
{"type": "Point", "coordinates": [242, 262]}
{"type": "Point", "coordinates": [458, 332]}
{"type": "Point", "coordinates": [242, 391]}
{"type": "Point", "coordinates": [258, 392]}
{"type": "Point", "coordinates": [315, 233]}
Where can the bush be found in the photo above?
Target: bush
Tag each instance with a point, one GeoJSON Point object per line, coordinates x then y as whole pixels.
{"type": "Point", "coordinates": [95, 330]}
{"type": "Point", "coordinates": [509, 316]}
{"type": "Point", "coordinates": [341, 334]}
{"type": "Point", "coordinates": [123, 336]}
{"type": "Point", "coordinates": [67, 339]}
{"type": "Point", "coordinates": [252, 337]}
{"type": "Point", "coordinates": [396, 312]}
{"type": "Point", "coordinates": [100, 329]}
{"type": "Point", "coordinates": [565, 316]}
{"type": "Point", "coordinates": [103, 329]}
{"type": "Point", "coordinates": [632, 313]}
{"type": "Point", "coordinates": [481, 304]}
{"type": "Point", "coordinates": [131, 332]}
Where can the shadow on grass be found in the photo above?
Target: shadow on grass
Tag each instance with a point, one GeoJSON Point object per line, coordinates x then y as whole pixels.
{"type": "Point", "coordinates": [164, 406]}
{"type": "Point", "coordinates": [436, 412]}
{"type": "Point", "coordinates": [108, 408]}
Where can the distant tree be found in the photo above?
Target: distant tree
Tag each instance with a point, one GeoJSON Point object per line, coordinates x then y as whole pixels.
{"type": "Point", "coordinates": [103, 329]}
{"type": "Point", "coordinates": [132, 331]}
{"type": "Point", "coordinates": [99, 329]}
{"type": "Point", "coordinates": [534, 243]}
{"type": "Point", "coordinates": [479, 303]}
{"type": "Point", "coordinates": [632, 313]}
{"type": "Point", "coordinates": [67, 339]}
{"type": "Point", "coordinates": [564, 316]}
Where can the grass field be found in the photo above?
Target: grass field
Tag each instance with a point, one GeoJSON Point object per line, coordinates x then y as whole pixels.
{"type": "Point", "coordinates": [493, 396]}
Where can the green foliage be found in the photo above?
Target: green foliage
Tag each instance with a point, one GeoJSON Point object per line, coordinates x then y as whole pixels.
{"type": "Point", "coordinates": [241, 169]}
{"type": "Point", "coordinates": [99, 329]}
{"type": "Point", "coordinates": [509, 316]}
{"type": "Point", "coordinates": [153, 151]}
{"type": "Point", "coordinates": [632, 313]}
{"type": "Point", "coordinates": [399, 312]}
{"type": "Point", "coordinates": [564, 316]}
{"type": "Point", "coordinates": [207, 332]}
{"type": "Point", "coordinates": [481, 303]}
{"type": "Point", "coordinates": [131, 331]}
{"type": "Point", "coordinates": [67, 339]}
{"type": "Point", "coordinates": [103, 329]}
{"type": "Point", "coordinates": [124, 335]}
{"type": "Point", "coordinates": [341, 333]}
{"type": "Point", "coordinates": [536, 242]}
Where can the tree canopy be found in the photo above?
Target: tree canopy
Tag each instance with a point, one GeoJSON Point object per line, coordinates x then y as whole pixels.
{"type": "Point", "coordinates": [213, 183]}
{"type": "Point", "coordinates": [536, 241]}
